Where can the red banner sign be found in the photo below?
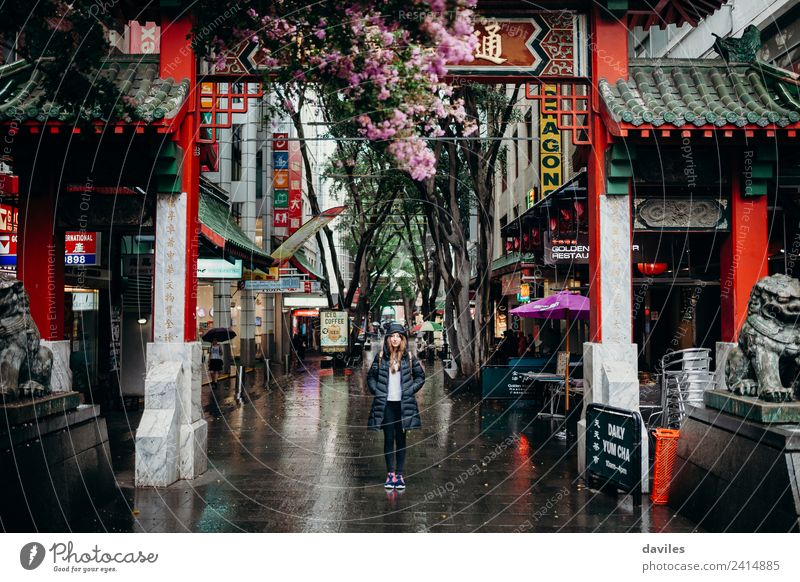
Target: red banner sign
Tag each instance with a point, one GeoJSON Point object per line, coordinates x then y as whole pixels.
{"type": "Point", "coordinates": [295, 187]}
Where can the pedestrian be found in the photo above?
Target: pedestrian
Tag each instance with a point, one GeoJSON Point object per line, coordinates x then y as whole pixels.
{"type": "Point", "coordinates": [531, 351]}
{"type": "Point", "coordinates": [522, 348]}
{"type": "Point", "coordinates": [421, 347]}
{"type": "Point", "coordinates": [299, 347]}
{"type": "Point", "coordinates": [394, 378]}
{"type": "Point", "coordinates": [214, 361]}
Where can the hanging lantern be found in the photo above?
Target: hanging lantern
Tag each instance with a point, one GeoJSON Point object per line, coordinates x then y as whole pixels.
{"type": "Point", "coordinates": [509, 245]}
{"type": "Point", "coordinates": [553, 223]}
{"type": "Point", "coordinates": [516, 243]}
{"type": "Point", "coordinates": [651, 269]}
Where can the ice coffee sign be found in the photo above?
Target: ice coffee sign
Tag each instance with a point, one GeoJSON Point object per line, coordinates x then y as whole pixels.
{"type": "Point", "coordinates": [334, 331]}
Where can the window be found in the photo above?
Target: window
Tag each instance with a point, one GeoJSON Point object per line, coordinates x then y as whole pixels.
{"type": "Point", "coordinates": [236, 153]}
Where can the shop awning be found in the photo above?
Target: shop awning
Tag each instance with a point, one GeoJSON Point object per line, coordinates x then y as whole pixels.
{"type": "Point", "coordinates": [574, 189]}
{"type": "Point", "coordinates": [136, 77]}
{"type": "Point", "coordinates": [219, 229]}
{"type": "Point", "coordinates": [701, 94]}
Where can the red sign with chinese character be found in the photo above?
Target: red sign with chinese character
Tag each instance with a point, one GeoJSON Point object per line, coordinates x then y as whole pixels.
{"type": "Point", "coordinates": [295, 187]}
{"type": "Point", "coordinates": [280, 142]}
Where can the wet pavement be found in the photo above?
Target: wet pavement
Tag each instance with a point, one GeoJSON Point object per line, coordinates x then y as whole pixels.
{"type": "Point", "coordinates": [296, 457]}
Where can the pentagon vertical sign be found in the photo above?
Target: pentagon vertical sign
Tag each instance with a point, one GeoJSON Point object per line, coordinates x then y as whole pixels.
{"type": "Point", "coordinates": [550, 163]}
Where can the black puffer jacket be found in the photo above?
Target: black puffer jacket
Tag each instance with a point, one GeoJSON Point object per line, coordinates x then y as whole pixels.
{"type": "Point", "coordinates": [412, 376]}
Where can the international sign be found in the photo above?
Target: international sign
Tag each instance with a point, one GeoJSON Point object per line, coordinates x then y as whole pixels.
{"type": "Point", "coordinates": [80, 248]}
{"type": "Point", "coordinates": [614, 446]}
{"type": "Point", "coordinates": [334, 331]}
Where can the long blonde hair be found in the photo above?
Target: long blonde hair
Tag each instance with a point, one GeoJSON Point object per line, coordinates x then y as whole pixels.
{"type": "Point", "coordinates": [396, 354]}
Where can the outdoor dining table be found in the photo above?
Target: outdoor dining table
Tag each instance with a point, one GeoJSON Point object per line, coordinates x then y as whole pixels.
{"type": "Point", "coordinates": [551, 379]}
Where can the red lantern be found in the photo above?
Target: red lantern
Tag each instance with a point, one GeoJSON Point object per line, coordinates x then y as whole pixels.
{"type": "Point", "coordinates": [651, 269]}
{"type": "Point", "coordinates": [516, 243]}
{"type": "Point", "coordinates": [509, 245]}
{"type": "Point", "coordinates": [553, 223]}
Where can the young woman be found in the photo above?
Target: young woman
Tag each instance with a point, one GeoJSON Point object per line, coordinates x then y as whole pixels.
{"type": "Point", "coordinates": [214, 361]}
{"type": "Point", "coordinates": [394, 378]}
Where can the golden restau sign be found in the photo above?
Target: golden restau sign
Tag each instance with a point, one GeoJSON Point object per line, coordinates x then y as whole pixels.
{"type": "Point", "coordinates": [550, 165]}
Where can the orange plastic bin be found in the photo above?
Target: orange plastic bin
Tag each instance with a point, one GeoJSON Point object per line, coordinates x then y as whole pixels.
{"type": "Point", "coordinates": [666, 451]}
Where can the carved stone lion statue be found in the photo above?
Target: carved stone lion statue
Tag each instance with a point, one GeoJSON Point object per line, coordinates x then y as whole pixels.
{"type": "Point", "coordinates": [25, 365]}
{"type": "Point", "coordinates": [768, 354]}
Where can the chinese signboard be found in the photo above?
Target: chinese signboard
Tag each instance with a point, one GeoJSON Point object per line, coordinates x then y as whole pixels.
{"type": "Point", "coordinates": [504, 382]}
{"type": "Point", "coordinates": [295, 187]}
{"type": "Point", "coordinates": [550, 171]}
{"type": "Point", "coordinates": [334, 331]}
{"type": "Point", "coordinates": [280, 183]}
{"type": "Point", "coordinates": [563, 250]}
{"type": "Point", "coordinates": [80, 248]}
{"type": "Point", "coordinates": [170, 287]}
{"type": "Point", "coordinates": [545, 44]}
{"type": "Point", "coordinates": [613, 445]}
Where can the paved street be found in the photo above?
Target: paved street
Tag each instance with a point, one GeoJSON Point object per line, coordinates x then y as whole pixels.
{"type": "Point", "coordinates": [297, 458]}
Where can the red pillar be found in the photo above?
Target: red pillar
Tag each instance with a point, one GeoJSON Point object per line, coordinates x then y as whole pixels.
{"type": "Point", "coordinates": [40, 257]}
{"type": "Point", "coordinates": [178, 60]}
{"type": "Point", "coordinates": [609, 56]}
{"type": "Point", "coordinates": [744, 256]}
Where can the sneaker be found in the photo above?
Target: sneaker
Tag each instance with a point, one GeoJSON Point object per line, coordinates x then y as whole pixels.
{"type": "Point", "coordinates": [389, 481]}
{"type": "Point", "coordinates": [399, 482]}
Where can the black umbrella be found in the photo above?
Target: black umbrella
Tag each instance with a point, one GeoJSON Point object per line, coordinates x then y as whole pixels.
{"type": "Point", "coordinates": [221, 334]}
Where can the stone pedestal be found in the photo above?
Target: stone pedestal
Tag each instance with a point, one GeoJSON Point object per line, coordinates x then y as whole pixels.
{"type": "Point", "coordinates": [723, 351]}
{"type": "Point", "coordinates": [61, 377]}
{"type": "Point", "coordinates": [610, 377]}
{"type": "Point", "coordinates": [176, 418]}
{"type": "Point", "coordinates": [735, 475]}
{"type": "Point", "coordinates": [55, 470]}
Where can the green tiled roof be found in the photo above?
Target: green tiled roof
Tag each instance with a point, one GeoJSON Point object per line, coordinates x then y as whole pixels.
{"type": "Point", "coordinates": [513, 259]}
{"type": "Point", "coordinates": [215, 214]}
{"type": "Point", "coordinates": [300, 257]}
{"type": "Point", "coordinates": [23, 97]}
{"type": "Point", "coordinates": [700, 93]}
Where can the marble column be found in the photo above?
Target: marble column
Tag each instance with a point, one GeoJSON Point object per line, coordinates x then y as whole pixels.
{"type": "Point", "coordinates": [247, 322]}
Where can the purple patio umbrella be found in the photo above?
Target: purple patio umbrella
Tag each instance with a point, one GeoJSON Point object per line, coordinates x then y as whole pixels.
{"type": "Point", "coordinates": [562, 305]}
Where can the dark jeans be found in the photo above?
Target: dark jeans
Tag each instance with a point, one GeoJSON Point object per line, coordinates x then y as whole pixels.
{"type": "Point", "coordinates": [394, 438]}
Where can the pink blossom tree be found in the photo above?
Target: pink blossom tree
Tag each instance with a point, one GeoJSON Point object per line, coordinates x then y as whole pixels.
{"type": "Point", "coordinates": [386, 60]}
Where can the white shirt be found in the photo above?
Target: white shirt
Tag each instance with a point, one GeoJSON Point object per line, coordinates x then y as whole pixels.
{"type": "Point", "coordinates": [395, 387]}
